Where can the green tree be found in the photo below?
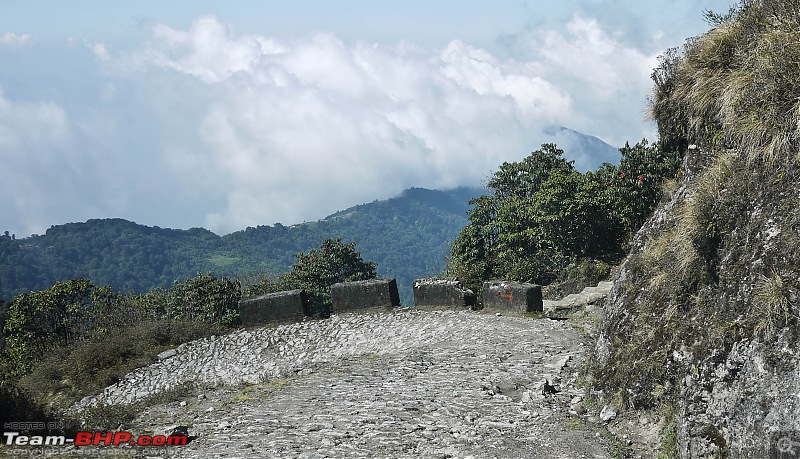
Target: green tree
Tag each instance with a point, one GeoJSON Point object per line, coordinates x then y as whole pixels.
{"type": "Point", "coordinates": [204, 298]}
{"type": "Point", "coordinates": [516, 231]}
{"type": "Point", "coordinates": [61, 315]}
{"type": "Point", "coordinates": [576, 215]}
{"type": "Point", "coordinates": [4, 307]}
{"type": "Point", "coordinates": [470, 258]}
{"type": "Point", "coordinates": [543, 216]}
{"type": "Point", "coordinates": [317, 270]}
{"type": "Point", "coordinates": [636, 183]}
{"type": "Point", "coordinates": [525, 178]}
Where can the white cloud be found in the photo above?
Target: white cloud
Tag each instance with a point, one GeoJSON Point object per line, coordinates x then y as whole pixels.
{"type": "Point", "coordinates": [593, 57]}
{"type": "Point", "coordinates": [32, 134]}
{"type": "Point", "coordinates": [99, 50]}
{"type": "Point", "coordinates": [208, 127]}
{"type": "Point", "coordinates": [290, 131]}
{"type": "Point", "coordinates": [208, 50]}
{"type": "Point", "coordinates": [534, 97]}
{"type": "Point", "coordinates": [13, 40]}
{"type": "Point", "coordinates": [608, 78]}
{"type": "Point", "coordinates": [63, 164]}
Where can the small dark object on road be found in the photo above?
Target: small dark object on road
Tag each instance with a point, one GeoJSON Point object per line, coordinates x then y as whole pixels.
{"type": "Point", "coordinates": [547, 389]}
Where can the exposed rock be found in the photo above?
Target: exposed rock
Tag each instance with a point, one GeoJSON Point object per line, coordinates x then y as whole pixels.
{"type": "Point", "coordinates": [755, 385]}
{"type": "Point", "coordinates": [167, 354]}
{"type": "Point", "coordinates": [589, 296]}
{"type": "Point", "coordinates": [607, 413]}
{"type": "Point", "coordinates": [733, 394]}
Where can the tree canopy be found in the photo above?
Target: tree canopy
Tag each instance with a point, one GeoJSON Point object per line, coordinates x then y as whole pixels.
{"type": "Point", "coordinates": [541, 214]}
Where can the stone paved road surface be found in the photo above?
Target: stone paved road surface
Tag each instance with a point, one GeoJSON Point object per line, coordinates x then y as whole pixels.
{"type": "Point", "coordinates": [406, 383]}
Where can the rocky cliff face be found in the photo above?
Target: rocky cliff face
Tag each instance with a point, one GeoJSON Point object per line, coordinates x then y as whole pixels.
{"type": "Point", "coordinates": [742, 393]}
{"type": "Point", "coordinates": [702, 323]}
{"type": "Point", "coordinates": [702, 317]}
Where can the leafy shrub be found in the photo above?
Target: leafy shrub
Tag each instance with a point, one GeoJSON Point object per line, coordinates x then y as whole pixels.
{"type": "Point", "coordinates": [16, 405]}
{"type": "Point", "coordinates": [67, 312]}
{"type": "Point", "coordinates": [259, 284]}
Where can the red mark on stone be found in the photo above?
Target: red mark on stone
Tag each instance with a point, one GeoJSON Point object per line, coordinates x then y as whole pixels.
{"type": "Point", "coordinates": [507, 296]}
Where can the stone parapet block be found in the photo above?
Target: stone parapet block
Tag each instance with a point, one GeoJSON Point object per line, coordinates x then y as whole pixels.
{"type": "Point", "coordinates": [290, 305]}
{"type": "Point", "coordinates": [366, 294]}
{"type": "Point", "coordinates": [512, 296]}
{"type": "Point", "coordinates": [442, 291]}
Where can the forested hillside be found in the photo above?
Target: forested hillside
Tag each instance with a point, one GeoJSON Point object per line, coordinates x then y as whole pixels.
{"type": "Point", "coordinates": [408, 236]}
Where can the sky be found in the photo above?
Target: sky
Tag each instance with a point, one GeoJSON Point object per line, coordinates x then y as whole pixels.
{"type": "Point", "coordinates": [226, 115]}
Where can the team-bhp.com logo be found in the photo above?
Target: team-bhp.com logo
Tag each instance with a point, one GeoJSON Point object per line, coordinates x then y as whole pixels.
{"type": "Point", "coordinates": [785, 445]}
{"type": "Point", "coordinates": [84, 438]}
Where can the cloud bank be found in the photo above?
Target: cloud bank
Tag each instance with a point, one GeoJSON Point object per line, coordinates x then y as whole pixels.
{"type": "Point", "coordinates": [205, 126]}
{"type": "Point", "coordinates": [13, 40]}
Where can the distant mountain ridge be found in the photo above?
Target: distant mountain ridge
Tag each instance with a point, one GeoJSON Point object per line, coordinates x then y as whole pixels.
{"type": "Point", "coordinates": [588, 151]}
{"type": "Point", "coordinates": [454, 201]}
{"type": "Point", "coordinates": [408, 236]}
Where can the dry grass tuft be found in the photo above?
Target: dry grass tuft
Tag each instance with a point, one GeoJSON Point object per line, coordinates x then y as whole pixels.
{"type": "Point", "coordinates": [678, 249]}
{"type": "Point", "coordinates": [771, 304]}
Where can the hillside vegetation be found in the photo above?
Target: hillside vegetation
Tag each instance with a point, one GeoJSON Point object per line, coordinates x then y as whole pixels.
{"type": "Point", "coordinates": [407, 236]}
{"type": "Point", "coordinates": [76, 338]}
{"type": "Point", "coordinates": [702, 324]}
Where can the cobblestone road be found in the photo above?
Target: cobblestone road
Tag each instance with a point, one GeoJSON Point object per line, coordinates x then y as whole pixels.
{"type": "Point", "coordinates": [394, 384]}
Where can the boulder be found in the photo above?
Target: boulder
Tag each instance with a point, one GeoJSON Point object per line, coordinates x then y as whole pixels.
{"type": "Point", "coordinates": [512, 296]}
{"type": "Point", "coordinates": [367, 294]}
{"type": "Point", "coordinates": [289, 305]}
{"type": "Point", "coordinates": [607, 414]}
{"type": "Point", "coordinates": [442, 291]}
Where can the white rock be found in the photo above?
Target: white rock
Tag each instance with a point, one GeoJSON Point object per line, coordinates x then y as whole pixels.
{"type": "Point", "coordinates": [607, 413]}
